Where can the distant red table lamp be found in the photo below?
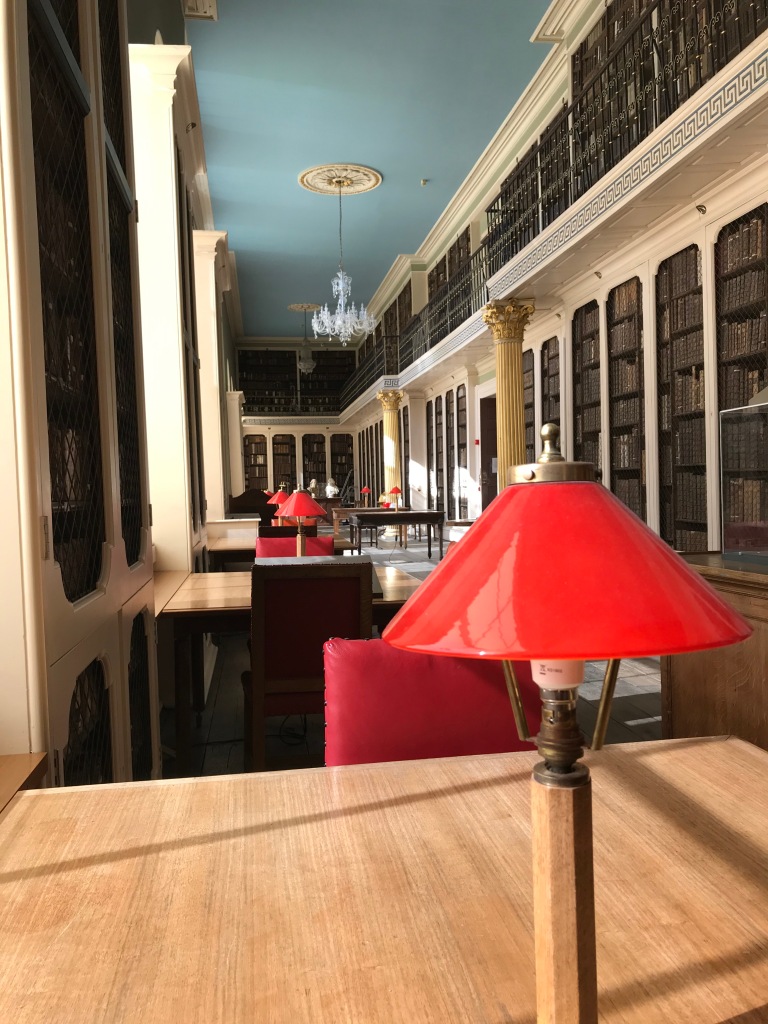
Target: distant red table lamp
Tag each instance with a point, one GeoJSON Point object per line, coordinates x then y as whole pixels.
{"type": "Point", "coordinates": [278, 498]}
{"type": "Point", "coordinates": [300, 505]}
{"type": "Point", "coordinates": [365, 491]}
{"type": "Point", "coordinates": [397, 492]}
{"type": "Point", "coordinates": [562, 572]}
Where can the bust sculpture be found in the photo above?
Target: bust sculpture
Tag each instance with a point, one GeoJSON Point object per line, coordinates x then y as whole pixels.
{"type": "Point", "coordinates": [331, 490]}
{"type": "Point", "coordinates": [313, 488]}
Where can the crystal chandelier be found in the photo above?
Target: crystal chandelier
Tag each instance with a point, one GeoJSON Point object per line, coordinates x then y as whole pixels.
{"type": "Point", "coordinates": [347, 320]}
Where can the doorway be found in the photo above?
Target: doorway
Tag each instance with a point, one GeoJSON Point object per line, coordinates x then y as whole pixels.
{"type": "Point", "coordinates": [488, 476]}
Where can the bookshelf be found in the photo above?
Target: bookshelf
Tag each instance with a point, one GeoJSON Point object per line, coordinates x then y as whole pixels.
{"type": "Point", "coordinates": [313, 460]}
{"type": "Point", "coordinates": [430, 457]}
{"type": "Point", "coordinates": [439, 453]}
{"type": "Point", "coordinates": [321, 389]}
{"type": "Point", "coordinates": [680, 363]}
{"type": "Point", "coordinates": [255, 460]}
{"type": "Point", "coordinates": [744, 469]}
{"type": "Point", "coordinates": [450, 453]}
{"type": "Point", "coordinates": [585, 333]}
{"type": "Point", "coordinates": [342, 459]}
{"type": "Point", "coordinates": [742, 301]}
{"type": "Point", "coordinates": [461, 448]}
{"type": "Point", "coordinates": [406, 435]}
{"type": "Point", "coordinates": [284, 460]}
{"type": "Point", "coordinates": [529, 412]}
{"type": "Point", "coordinates": [625, 391]}
{"type": "Point", "coordinates": [268, 381]}
{"type": "Point", "coordinates": [741, 295]}
{"type": "Point", "coordinates": [550, 381]}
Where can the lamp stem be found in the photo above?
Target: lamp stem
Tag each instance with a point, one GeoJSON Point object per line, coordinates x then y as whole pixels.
{"type": "Point", "coordinates": [301, 539]}
{"type": "Point", "coordinates": [563, 880]}
{"type": "Point", "coordinates": [564, 902]}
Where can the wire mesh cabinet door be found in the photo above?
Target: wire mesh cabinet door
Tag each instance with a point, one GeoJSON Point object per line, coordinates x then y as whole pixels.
{"type": "Point", "coordinates": [85, 712]}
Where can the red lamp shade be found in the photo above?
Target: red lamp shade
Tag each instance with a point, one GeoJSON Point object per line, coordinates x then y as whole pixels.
{"type": "Point", "coordinates": [365, 490]}
{"type": "Point", "coordinates": [301, 503]}
{"type": "Point", "coordinates": [268, 494]}
{"type": "Point", "coordinates": [395, 490]}
{"type": "Point", "coordinates": [563, 570]}
{"type": "Point", "coordinates": [278, 498]}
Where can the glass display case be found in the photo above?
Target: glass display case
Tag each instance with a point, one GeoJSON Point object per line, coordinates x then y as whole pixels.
{"type": "Point", "coordinates": [744, 481]}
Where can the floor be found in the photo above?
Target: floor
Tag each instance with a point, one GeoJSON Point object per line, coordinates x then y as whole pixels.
{"type": "Point", "coordinates": [297, 743]}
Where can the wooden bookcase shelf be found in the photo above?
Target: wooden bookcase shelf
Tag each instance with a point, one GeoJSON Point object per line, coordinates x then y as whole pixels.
{"type": "Point", "coordinates": [255, 458]}
{"type": "Point", "coordinates": [342, 461]}
{"type": "Point", "coordinates": [680, 363]}
{"type": "Point", "coordinates": [439, 450]}
{"type": "Point", "coordinates": [550, 381]}
{"type": "Point", "coordinates": [450, 453]}
{"type": "Point", "coordinates": [268, 381]}
{"type": "Point", "coordinates": [272, 385]}
{"type": "Point", "coordinates": [586, 385]}
{"type": "Point", "coordinates": [625, 391]}
{"type": "Point", "coordinates": [529, 406]}
{"type": "Point", "coordinates": [461, 448]}
{"type": "Point", "coordinates": [313, 460]}
{"type": "Point", "coordinates": [742, 306]}
{"type": "Point", "coordinates": [741, 292]}
{"type": "Point", "coordinates": [284, 460]}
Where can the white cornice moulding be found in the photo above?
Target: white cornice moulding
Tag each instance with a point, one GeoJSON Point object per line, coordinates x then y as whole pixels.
{"type": "Point", "coordinates": [205, 9]}
{"type": "Point", "coordinates": [397, 276]}
{"type": "Point", "coordinates": [560, 20]}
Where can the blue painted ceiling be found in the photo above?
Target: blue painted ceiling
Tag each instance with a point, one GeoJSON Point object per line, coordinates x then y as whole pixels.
{"type": "Point", "coordinates": [413, 88]}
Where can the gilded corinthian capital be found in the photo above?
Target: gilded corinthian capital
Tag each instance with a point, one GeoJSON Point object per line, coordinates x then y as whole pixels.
{"type": "Point", "coordinates": [507, 318]}
{"type": "Point", "coordinates": [390, 400]}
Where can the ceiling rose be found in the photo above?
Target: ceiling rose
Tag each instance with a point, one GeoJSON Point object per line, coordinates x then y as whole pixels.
{"type": "Point", "coordinates": [329, 179]}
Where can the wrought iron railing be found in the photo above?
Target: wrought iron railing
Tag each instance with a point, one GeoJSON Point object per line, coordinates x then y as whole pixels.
{"type": "Point", "coordinates": [658, 53]}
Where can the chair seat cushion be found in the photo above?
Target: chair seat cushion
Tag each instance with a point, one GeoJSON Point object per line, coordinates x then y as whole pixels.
{"type": "Point", "coordinates": [384, 704]}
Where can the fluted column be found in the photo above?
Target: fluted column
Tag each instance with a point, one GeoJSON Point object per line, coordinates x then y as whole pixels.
{"type": "Point", "coordinates": [390, 402]}
{"type": "Point", "coordinates": [507, 319]}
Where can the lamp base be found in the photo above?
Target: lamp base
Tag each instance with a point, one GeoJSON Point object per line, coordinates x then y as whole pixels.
{"type": "Point", "coordinates": [563, 896]}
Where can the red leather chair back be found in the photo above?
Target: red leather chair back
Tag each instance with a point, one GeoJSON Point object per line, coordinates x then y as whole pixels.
{"type": "Point", "coordinates": [282, 547]}
{"type": "Point", "coordinates": [384, 704]}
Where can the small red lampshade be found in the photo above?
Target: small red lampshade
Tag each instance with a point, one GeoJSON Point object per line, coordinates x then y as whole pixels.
{"type": "Point", "coordinates": [563, 570]}
{"type": "Point", "coordinates": [268, 494]}
{"type": "Point", "coordinates": [395, 490]}
{"type": "Point", "coordinates": [365, 490]}
{"type": "Point", "coordinates": [301, 504]}
{"type": "Point", "coordinates": [278, 498]}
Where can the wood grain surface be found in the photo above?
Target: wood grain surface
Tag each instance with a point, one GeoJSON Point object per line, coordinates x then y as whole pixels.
{"type": "Point", "coordinates": [382, 893]}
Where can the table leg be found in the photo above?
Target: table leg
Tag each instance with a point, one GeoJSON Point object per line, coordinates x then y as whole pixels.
{"type": "Point", "coordinates": [440, 537]}
{"type": "Point", "coordinates": [182, 709]}
{"type": "Point", "coordinates": [429, 540]}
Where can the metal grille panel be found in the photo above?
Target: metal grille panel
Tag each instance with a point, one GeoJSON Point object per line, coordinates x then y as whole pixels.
{"type": "Point", "coordinates": [550, 381]}
{"type": "Point", "coordinates": [625, 383]}
{"type": "Point", "coordinates": [66, 14]}
{"type": "Point", "coordinates": [680, 368]}
{"type": "Point", "coordinates": [430, 457]}
{"type": "Point", "coordinates": [87, 757]}
{"type": "Point", "coordinates": [129, 453]}
{"type": "Point", "coordinates": [74, 441]}
{"type": "Point", "coordinates": [529, 406]}
{"type": "Point", "coordinates": [741, 274]}
{"type": "Point", "coordinates": [450, 455]}
{"type": "Point", "coordinates": [406, 455]}
{"type": "Point", "coordinates": [111, 75]}
{"type": "Point", "coordinates": [139, 703]}
{"type": "Point", "coordinates": [586, 385]}
{"type": "Point", "coordinates": [461, 432]}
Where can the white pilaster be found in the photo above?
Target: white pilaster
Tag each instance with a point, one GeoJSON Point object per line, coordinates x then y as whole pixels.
{"type": "Point", "coordinates": [235, 401]}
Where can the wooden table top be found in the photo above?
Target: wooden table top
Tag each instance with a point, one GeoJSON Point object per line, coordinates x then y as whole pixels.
{"type": "Point", "coordinates": [382, 894]}
{"type": "Point", "coordinates": [222, 591]}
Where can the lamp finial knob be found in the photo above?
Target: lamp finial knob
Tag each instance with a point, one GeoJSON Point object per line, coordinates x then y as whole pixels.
{"type": "Point", "coordinates": [550, 436]}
